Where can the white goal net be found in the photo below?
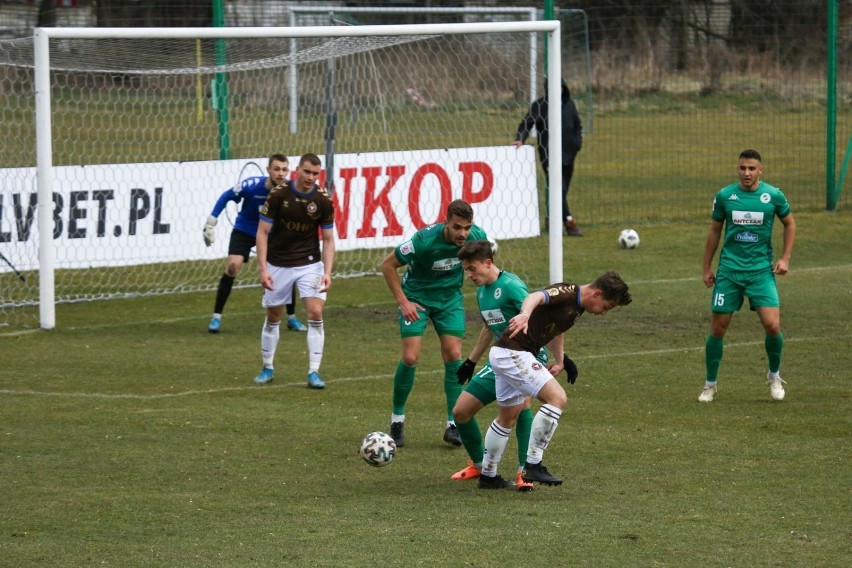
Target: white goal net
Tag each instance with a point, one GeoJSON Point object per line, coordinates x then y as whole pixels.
{"type": "Point", "coordinates": [138, 132]}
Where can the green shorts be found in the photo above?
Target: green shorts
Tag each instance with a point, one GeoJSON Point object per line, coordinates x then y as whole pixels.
{"type": "Point", "coordinates": [482, 385]}
{"type": "Point", "coordinates": [732, 286]}
{"type": "Point", "coordinates": [447, 321]}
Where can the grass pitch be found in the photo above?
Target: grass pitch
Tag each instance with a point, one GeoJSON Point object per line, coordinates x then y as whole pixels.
{"type": "Point", "coordinates": [132, 437]}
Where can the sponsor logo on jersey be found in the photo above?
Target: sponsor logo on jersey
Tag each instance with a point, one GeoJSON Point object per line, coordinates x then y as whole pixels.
{"type": "Point", "coordinates": [406, 248]}
{"type": "Point", "coordinates": [747, 217]}
{"type": "Point", "coordinates": [733, 197]}
{"type": "Point", "coordinates": [764, 198]}
{"type": "Point", "coordinates": [445, 265]}
{"type": "Point", "coordinates": [746, 237]}
{"type": "Point", "coordinates": [493, 317]}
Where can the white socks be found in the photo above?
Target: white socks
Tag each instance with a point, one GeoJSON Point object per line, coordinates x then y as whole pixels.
{"type": "Point", "coordinates": [544, 425]}
{"type": "Point", "coordinates": [316, 341]}
{"type": "Point", "coordinates": [269, 342]}
{"type": "Point", "coordinates": [495, 442]}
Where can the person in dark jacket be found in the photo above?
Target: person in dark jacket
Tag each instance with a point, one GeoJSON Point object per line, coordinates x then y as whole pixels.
{"type": "Point", "coordinates": [572, 141]}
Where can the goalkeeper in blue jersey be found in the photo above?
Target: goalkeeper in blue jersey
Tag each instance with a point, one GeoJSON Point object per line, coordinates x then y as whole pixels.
{"type": "Point", "coordinates": [499, 298]}
{"type": "Point", "coordinates": [430, 289]}
{"type": "Point", "coordinates": [746, 210]}
{"type": "Point", "coordinates": [251, 194]}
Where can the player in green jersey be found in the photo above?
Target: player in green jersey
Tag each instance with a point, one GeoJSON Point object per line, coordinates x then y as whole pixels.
{"type": "Point", "coordinates": [499, 298]}
{"type": "Point", "coordinates": [746, 210]}
{"type": "Point", "coordinates": [430, 288]}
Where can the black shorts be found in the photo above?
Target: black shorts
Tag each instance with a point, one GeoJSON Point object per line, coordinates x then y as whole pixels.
{"type": "Point", "coordinates": [241, 244]}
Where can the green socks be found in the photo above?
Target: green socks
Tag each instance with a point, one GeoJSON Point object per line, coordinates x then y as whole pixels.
{"type": "Point", "coordinates": [713, 349]}
{"type": "Point", "coordinates": [403, 382]}
{"type": "Point", "coordinates": [452, 388]}
{"type": "Point", "coordinates": [774, 346]}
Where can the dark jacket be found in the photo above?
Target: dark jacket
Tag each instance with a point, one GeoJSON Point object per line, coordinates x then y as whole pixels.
{"type": "Point", "coordinates": [572, 129]}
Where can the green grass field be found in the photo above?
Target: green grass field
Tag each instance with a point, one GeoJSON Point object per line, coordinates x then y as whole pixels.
{"type": "Point", "coordinates": [132, 437]}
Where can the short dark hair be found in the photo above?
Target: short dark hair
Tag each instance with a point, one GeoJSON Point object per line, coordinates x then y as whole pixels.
{"type": "Point", "coordinates": [750, 155]}
{"type": "Point", "coordinates": [476, 250]}
{"type": "Point", "coordinates": [278, 158]}
{"type": "Point", "coordinates": [613, 288]}
{"type": "Point", "coordinates": [460, 208]}
{"type": "Point", "coordinates": [312, 159]}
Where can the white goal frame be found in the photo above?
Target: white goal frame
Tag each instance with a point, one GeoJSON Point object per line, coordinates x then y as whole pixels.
{"type": "Point", "coordinates": [44, 141]}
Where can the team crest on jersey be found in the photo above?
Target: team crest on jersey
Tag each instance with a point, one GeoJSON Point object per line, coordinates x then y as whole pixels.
{"type": "Point", "coordinates": [747, 217]}
{"type": "Point", "coordinates": [312, 208]}
{"type": "Point", "coordinates": [537, 366]}
{"type": "Point", "coordinates": [498, 293]}
{"type": "Point", "coordinates": [764, 198]}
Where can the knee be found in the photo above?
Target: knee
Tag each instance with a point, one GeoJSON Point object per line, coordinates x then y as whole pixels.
{"type": "Point", "coordinates": [409, 359]}
{"type": "Point", "coordinates": [233, 270]}
{"type": "Point", "coordinates": [772, 329]}
{"type": "Point", "coordinates": [461, 415]}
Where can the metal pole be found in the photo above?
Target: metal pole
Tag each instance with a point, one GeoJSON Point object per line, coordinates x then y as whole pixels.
{"type": "Point", "coordinates": [220, 92]}
{"type": "Point", "coordinates": [44, 179]}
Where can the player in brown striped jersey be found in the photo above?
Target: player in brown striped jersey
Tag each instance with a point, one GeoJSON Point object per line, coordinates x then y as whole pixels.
{"type": "Point", "coordinates": [288, 253]}
{"type": "Point", "coordinates": [544, 317]}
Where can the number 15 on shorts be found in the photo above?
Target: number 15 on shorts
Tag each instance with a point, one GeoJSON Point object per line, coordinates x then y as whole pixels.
{"type": "Point", "coordinates": [719, 300]}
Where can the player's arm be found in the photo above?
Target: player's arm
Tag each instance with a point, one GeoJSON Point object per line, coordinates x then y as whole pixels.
{"type": "Point", "coordinates": [782, 266]}
{"type": "Point", "coordinates": [519, 323]}
{"type": "Point", "coordinates": [556, 346]}
{"type": "Point", "coordinates": [209, 230]}
{"type": "Point", "coordinates": [327, 257]}
{"type": "Point", "coordinates": [390, 270]}
{"type": "Point", "coordinates": [261, 247]}
{"type": "Point", "coordinates": [714, 236]}
{"type": "Point", "coordinates": [466, 369]}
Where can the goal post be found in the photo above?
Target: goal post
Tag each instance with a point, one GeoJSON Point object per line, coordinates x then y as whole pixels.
{"type": "Point", "coordinates": [457, 177]}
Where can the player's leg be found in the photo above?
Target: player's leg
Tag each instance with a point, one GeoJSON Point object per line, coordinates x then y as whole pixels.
{"type": "Point", "coordinates": [763, 296]}
{"type": "Point", "coordinates": [449, 324]}
{"type": "Point", "coordinates": [293, 323]}
{"type": "Point", "coordinates": [239, 248]}
{"type": "Point", "coordinates": [269, 336]}
{"type": "Point", "coordinates": [467, 406]}
{"type": "Point", "coordinates": [567, 219]}
{"type": "Point", "coordinates": [274, 302]}
{"type": "Point", "coordinates": [403, 378]}
{"type": "Point", "coordinates": [727, 298]}
{"type": "Point", "coordinates": [451, 354]}
{"type": "Point", "coordinates": [309, 283]}
{"type": "Point", "coordinates": [544, 425]}
{"type": "Point", "coordinates": [496, 439]}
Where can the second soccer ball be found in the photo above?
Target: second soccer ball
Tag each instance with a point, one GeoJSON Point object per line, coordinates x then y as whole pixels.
{"type": "Point", "coordinates": [628, 239]}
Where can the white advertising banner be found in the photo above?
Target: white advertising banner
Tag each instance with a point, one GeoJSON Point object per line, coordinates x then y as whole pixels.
{"type": "Point", "coordinates": [129, 214]}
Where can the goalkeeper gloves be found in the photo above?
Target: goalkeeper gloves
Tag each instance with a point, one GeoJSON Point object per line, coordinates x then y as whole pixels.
{"type": "Point", "coordinates": [210, 230]}
{"type": "Point", "coordinates": [465, 371]}
{"type": "Point", "coordinates": [570, 368]}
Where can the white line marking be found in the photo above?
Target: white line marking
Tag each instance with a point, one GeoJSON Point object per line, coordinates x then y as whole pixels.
{"type": "Point", "coordinates": [159, 396]}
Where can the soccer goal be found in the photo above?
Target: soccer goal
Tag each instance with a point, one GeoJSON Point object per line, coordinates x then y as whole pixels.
{"type": "Point", "coordinates": [137, 132]}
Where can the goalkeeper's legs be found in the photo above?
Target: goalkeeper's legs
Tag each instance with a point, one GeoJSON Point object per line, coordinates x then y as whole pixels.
{"type": "Point", "coordinates": [223, 292]}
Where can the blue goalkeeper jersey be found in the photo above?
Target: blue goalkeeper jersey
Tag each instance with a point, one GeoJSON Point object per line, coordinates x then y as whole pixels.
{"type": "Point", "coordinates": [250, 195]}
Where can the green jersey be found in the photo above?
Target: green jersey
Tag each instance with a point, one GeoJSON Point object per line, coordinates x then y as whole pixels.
{"type": "Point", "coordinates": [748, 218]}
{"type": "Point", "coordinates": [434, 275]}
{"type": "Point", "coordinates": [500, 301]}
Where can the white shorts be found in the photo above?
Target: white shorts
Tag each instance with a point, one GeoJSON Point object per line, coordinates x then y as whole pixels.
{"type": "Point", "coordinates": [517, 374]}
{"type": "Point", "coordinates": [307, 278]}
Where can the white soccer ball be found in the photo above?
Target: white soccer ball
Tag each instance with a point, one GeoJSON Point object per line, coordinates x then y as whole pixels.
{"type": "Point", "coordinates": [377, 449]}
{"type": "Point", "coordinates": [628, 239]}
{"type": "Point", "coordinates": [494, 245]}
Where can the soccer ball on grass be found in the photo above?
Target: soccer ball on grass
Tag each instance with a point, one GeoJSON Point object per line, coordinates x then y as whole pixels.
{"type": "Point", "coordinates": [628, 239]}
{"type": "Point", "coordinates": [377, 449]}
